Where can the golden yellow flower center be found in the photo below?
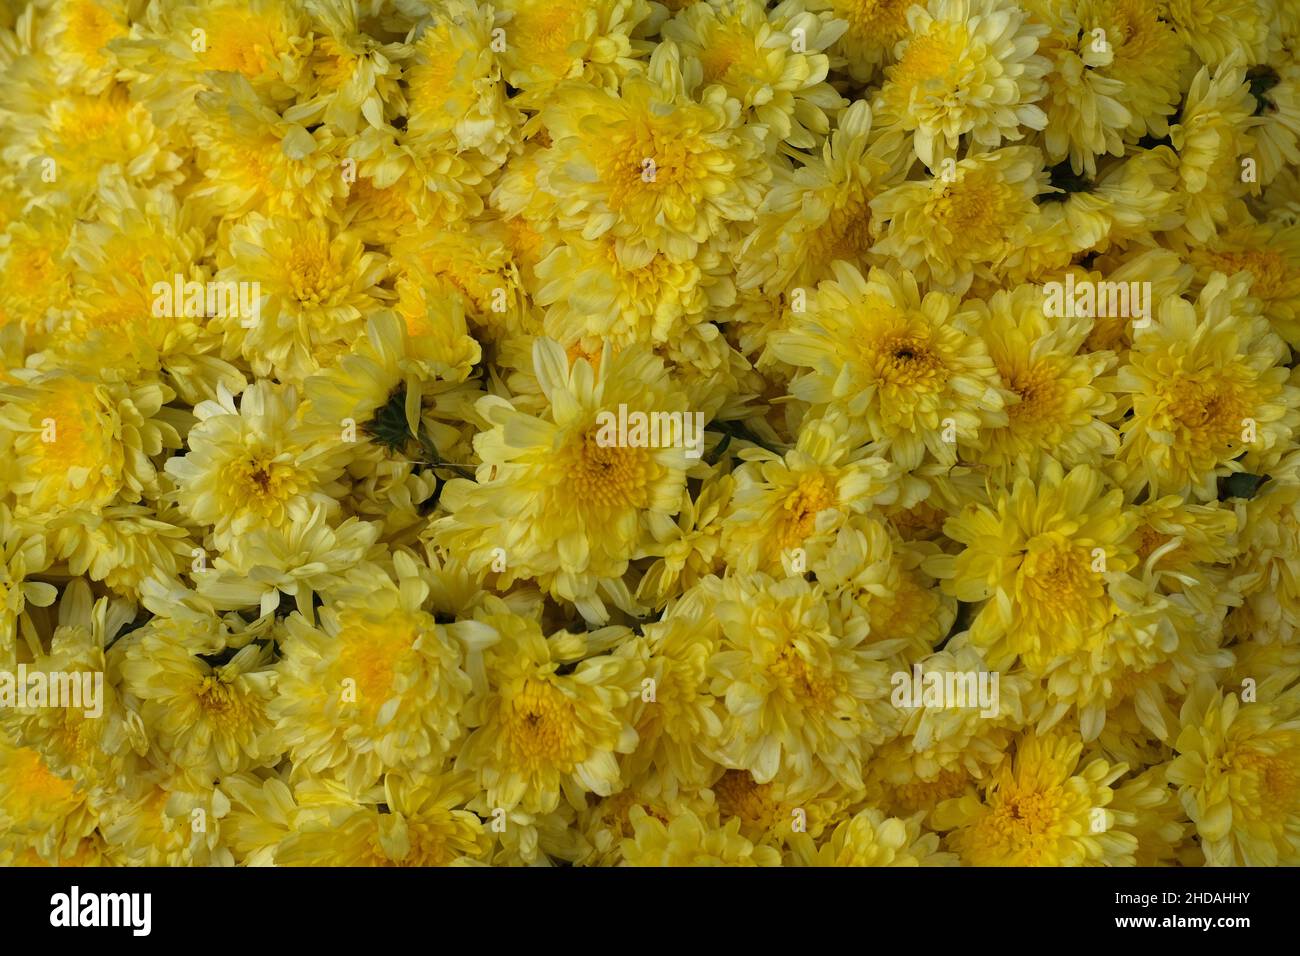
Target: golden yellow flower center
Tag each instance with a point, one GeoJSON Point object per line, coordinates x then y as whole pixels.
{"type": "Point", "coordinates": [615, 812]}
{"type": "Point", "coordinates": [239, 42]}
{"type": "Point", "coordinates": [739, 795]}
{"type": "Point", "coordinates": [70, 427]}
{"type": "Point", "coordinates": [222, 703]}
{"type": "Point", "coordinates": [540, 726]}
{"type": "Point", "coordinates": [929, 57]}
{"type": "Point", "coordinates": [607, 476]}
{"type": "Point", "coordinates": [1276, 776]}
{"type": "Point", "coordinates": [975, 209]}
{"type": "Point", "coordinates": [32, 273]}
{"type": "Point", "coordinates": [1041, 394]}
{"type": "Point", "coordinates": [1129, 682]}
{"type": "Point", "coordinates": [1269, 267]}
{"type": "Point", "coordinates": [909, 608]}
{"type": "Point", "coordinates": [801, 681]}
{"type": "Point", "coordinates": [809, 498]}
{"type": "Point", "coordinates": [260, 484]}
{"type": "Point", "coordinates": [1150, 540]}
{"type": "Point", "coordinates": [387, 204]}
{"type": "Point", "coordinates": [429, 844]}
{"type": "Point", "coordinates": [724, 49]}
{"type": "Point", "coordinates": [311, 273]}
{"type": "Point", "coordinates": [96, 123]}
{"type": "Point", "coordinates": [882, 22]}
{"type": "Point", "coordinates": [643, 162]}
{"type": "Point", "coordinates": [592, 355]}
{"type": "Point", "coordinates": [30, 777]}
{"type": "Point", "coordinates": [334, 65]}
{"type": "Point", "coordinates": [925, 794]}
{"type": "Point", "coordinates": [921, 522]}
{"type": "Point", "coordinates": [90, 27]}
{"type": "Point", "coordinates": [846, 233]}
{"type": "Point", "coordinates": [1057, 577]}
{"type": "Point", "coordinates": [370, 653]}
{"type": "Point", "coordinates": [544, 30]}
{"type": "Point", "coordinates": [119, 315]}
{"type": "Point", "coordinates": [1212, 412]}
{"type": "Point", "coordinates": [524, 241]}
{"type": "Point", "coordinates": [77, 737]}
{"type": "Point", "coordinates": [1024, 819]}
{"type": "Point", "coordinates": [906, 360]}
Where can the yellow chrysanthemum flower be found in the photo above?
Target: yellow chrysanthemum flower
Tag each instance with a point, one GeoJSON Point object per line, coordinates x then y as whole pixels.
{"type": "Point", "coordinates": [171, 48]}
{"type": "Point", "coordinates": [1147, 58]}
{"type": "Point", "coordinates": [1209, 391]}
{"type": "Point", "coordinates": [1158, 822]}
{"type": "Point", "coordinates": [782, 810]}
{"type": "Point", "coordinates": [883, 574]}
{"type": "Point", "coordinates": [206, 713]}
{"type": "Point", "coordinates": [421, 823]}
{"type": "Point", "coordinates": [40, 810]}
{"type": "Point", "coordinates": [593, 296]}
{"type": "Point", "coordinates": [457, 96]}
{"type": "Point", "coordinates": [871, 839]}
{"type": "Point", "coordinates": [1215, 128]}
{"type": "Point", "coordinates": [803, 687]}
{"type": "Point", "coordinates": [1238, 776]}
{"type": "Point", "coordinates": [575, 505]}
{"type": "Point", "coordinates": [786, 510]}
{"type": "Point", "coordinates": [1065, 394]}
{"type": "Point", "coordinates": [1266, 565]}
{"type": "Point", "coordinates": [68, 140]}
{"type": "Point", "coordinates": [874, 29]}
{"type": "Point", "coordinates": [1271, 254]}
{"type": "Point", "coordinates": [753, 55]}
{"type": "Point", "coordinates": [967, 67]}
{"type": "Point", "coordinates": [549, 41]}
{"type": "Point", "coordinates": [1042, 809]}
{"type": "Point", "coordinates": [81, 31]}
{"type": "Point", "coordinates": [1277, 98]}
{"type": "Point", "coordinates": [819, 212]}
{"type": "Point", "coordinates": [81, 442]}
{"type": "Point", "coordinates": [607, 823]}
{"type": "Point", "coordinates": [1085, 118]}
{"type": "Point", "coordinates": [687, 548]}
{"type": "Point", "coordinates": [661, 171]}
{"type": "Point", "coordinates": [378, 684]}
{"type": "Point", "coordinates": [594, 415]}
{"type": "Point", "coordinates": [94, 744]}
{"type": "Point", "coordinates": [1041, 558]}
{"type": "Point", "coordinates": [164, 819]}
{"type": "Point", "coordinates": [254, 464]}
{"type": "Point", "coordinates": [125, 546]}
{"type": "Point", "coordinates": [1180, 543]}
{"type": "Point", "coordinates": [911, 368]}
{"type": "Point", "coordinates": [543, 735]}
{"type": "Point", "coordinates": [939, 751]}
{"type": "Point", "coordinates": [689, 841]}
{"type": "Point", "coordinates": [35, 268]}
{"type": "Point", "coordinates": [138, 238]}
{"type": "Point", "coordinates": [353, 75]}
{"type": "Point", "coordinates": [677, 726]}
{"type": "Point", "coordinates": [316, 285]}
{"type": "Point", "coordinates": [298, 561]}
{"type": "Point", "coordinates": [252, 158]}
{"type": "Point", "coordinates": [1218, 29]}
{"type": "Point", "coordinates": [966, 220]}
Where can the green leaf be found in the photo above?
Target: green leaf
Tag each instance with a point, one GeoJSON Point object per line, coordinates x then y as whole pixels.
{"type": "Point", "coordinates": [389, 428]}
{"type": "Point", "coordinates": [1240, 485]}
